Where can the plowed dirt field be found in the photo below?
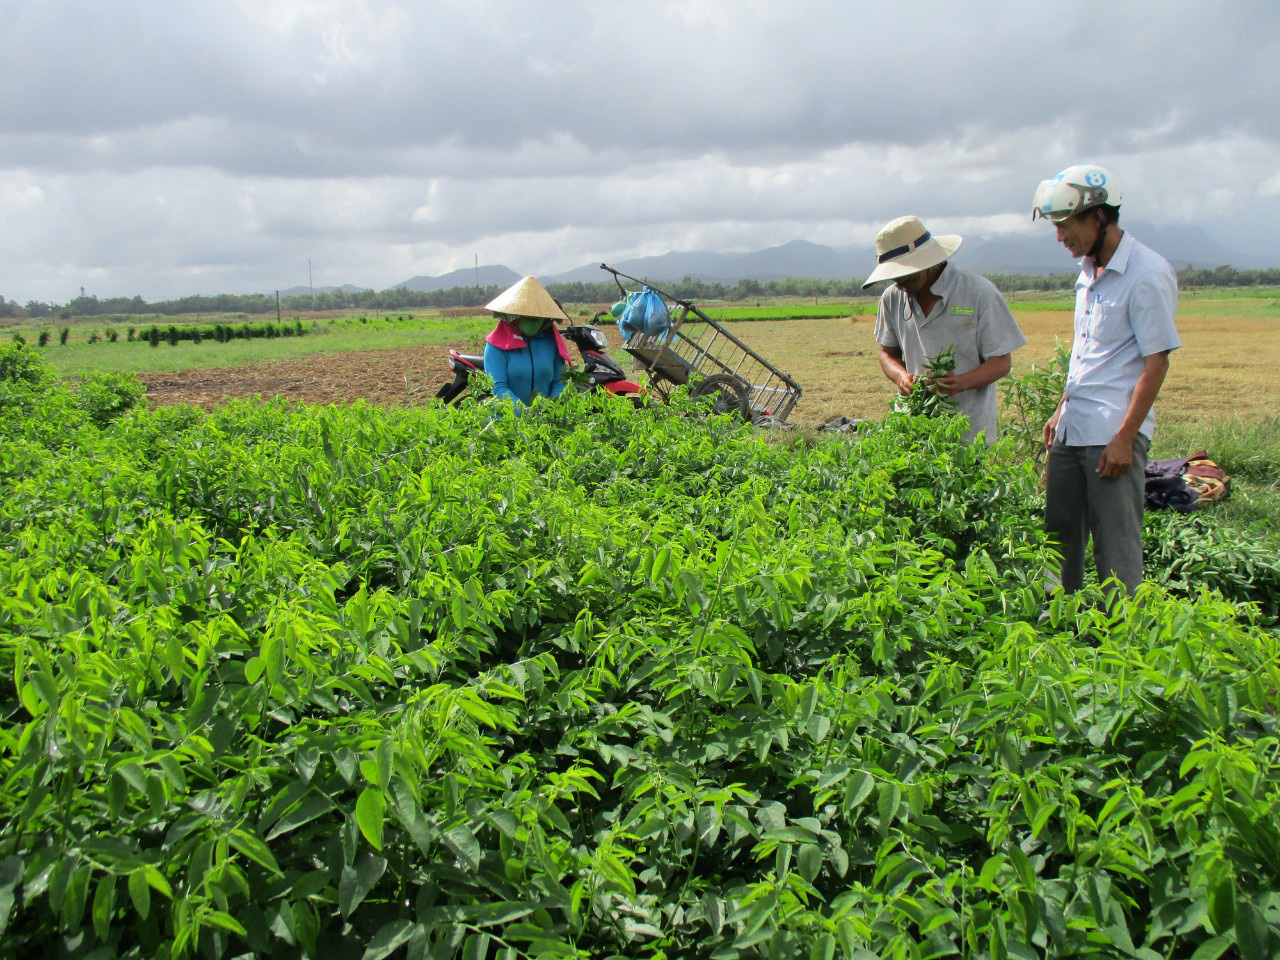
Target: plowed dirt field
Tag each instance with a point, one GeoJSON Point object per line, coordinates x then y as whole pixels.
{"type": "Point", "coordinates": [384, 377]}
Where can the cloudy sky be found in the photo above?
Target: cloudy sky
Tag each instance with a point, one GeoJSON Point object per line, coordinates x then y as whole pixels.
{"type": "Point", "coordinates": [169, 148]}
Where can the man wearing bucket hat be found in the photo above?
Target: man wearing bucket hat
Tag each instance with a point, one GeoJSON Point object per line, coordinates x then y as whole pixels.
{"type": "Point", "coordinates": [525, 354]}
{"type": "Point", "coordinates": [932, 305]}
{"type": "Point", "coordinates": [1099, 434]}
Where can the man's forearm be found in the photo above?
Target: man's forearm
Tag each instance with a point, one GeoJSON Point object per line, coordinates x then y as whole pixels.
{"type": "Point", "coordinates": [1154, 369]}
{"type": "Point", "coordinates": [992, 370]}
{"type": "Point", "coordinates": [987, 372]}
{"type": "Point", "coordinates": [892, 367]}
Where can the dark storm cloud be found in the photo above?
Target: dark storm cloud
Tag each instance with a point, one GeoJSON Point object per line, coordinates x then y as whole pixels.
{"type": "Point", "coordinates": [349, 126]}
{"type": "Point", "coordinates": [355, 87]}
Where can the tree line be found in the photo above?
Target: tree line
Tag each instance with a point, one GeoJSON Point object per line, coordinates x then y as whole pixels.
{"type": "Point", "coordinates": [690, 288]}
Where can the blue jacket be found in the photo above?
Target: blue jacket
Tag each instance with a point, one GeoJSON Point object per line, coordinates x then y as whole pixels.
{"type": "Point", "coordinates": [525, 371]}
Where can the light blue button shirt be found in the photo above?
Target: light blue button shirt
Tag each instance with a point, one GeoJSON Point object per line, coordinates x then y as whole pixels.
{"type": "Point", "coordinates": [1123, 315]}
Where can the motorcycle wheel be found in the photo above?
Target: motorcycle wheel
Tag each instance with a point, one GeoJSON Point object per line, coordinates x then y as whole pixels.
{"type": "Point", "coordinates": [729, 395]}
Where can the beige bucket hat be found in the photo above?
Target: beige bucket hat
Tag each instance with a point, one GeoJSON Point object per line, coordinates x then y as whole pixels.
{"type": "Point", "coordinates": [905, 247]}
{"type": "Point", "coordinates": [526, 298]}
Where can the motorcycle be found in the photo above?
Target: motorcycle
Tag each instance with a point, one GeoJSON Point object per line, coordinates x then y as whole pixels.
{"type": "Point", "coordinates": [602, 371]}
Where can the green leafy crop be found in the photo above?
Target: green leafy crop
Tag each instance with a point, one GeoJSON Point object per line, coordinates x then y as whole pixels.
{"type": "Point", "coordinates": [299, 681]}
{"type": "Point", "coordinates": [924, 400]}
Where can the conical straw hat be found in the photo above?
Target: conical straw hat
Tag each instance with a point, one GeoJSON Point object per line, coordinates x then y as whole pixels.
{"type": "Point", "coordinates": [528, 298]}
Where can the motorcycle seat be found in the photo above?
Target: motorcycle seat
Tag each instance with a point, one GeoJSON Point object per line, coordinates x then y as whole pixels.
{"type": "Point", "coordinates": [469, 358]}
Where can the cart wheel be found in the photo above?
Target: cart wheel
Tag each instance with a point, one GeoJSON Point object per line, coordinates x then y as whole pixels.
{"type": "Point", "coordinates": [729, 394]}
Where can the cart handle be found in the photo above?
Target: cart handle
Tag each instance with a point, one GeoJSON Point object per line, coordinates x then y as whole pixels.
{"type": "Point", "coordinates": [689, 306]}
{"type": "Point", "coordinates": [661, 293]}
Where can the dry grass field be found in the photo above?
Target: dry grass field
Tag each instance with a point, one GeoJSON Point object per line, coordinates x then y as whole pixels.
{"type": "Point", "coordinates": [1222, 393]}
{"type": "Point", "coordinates": [1229, 363]}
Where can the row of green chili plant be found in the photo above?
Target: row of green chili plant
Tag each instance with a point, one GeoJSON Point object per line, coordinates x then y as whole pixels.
{"type": "Point", "coordinates": [591, 682]}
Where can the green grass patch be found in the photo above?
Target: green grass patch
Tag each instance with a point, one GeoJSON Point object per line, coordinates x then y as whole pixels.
{"type": "Point", "coordinates": [1055, 303]}
{"type": "Point", "coordinates": [1246, 449]}
{"type": "Point", "coordinates": [791, 311]}
{"type": "Point", "coordinates": [1250, 452]}
{"type": "Point", "coordinates": [1231, 293]}
{"type": "Point", "coordinates": [329, 336]}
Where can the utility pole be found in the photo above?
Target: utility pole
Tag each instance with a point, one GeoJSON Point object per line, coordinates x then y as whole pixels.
{"type": "Point", "coordinates": [311, 283]}
{"type": "Point", "coordinates": [277, 306]}
{"type": "Point", "coordinates": [477, 256]}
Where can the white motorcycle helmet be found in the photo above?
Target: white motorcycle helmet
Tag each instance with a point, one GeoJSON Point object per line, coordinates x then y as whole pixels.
{"type": "Point", "coordinates": [1077, 188]}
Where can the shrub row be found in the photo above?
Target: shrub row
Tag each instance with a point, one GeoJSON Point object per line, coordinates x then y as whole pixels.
{"type": "Point", "coordinates": [184, 333]}
{"type": "Point", "coordinates": [345, 682]}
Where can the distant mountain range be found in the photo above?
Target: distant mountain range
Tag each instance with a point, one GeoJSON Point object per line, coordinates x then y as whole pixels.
{"type": "Point", "coordinates": [494, 276]}
{"type": "Point", "coordinates": [1035, 253]}
{"type": "Point", "coordinates": [799, 258]}
{"type": "Point", "coordinates": [305, 291]}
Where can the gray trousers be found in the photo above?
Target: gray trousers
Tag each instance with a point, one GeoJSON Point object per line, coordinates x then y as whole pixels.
{"type": "Point", "coordinates": [1078, 503]}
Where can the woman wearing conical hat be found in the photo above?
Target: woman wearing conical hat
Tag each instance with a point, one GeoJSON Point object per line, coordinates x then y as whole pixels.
{"type": "Point", "coordinates": [525, 353]}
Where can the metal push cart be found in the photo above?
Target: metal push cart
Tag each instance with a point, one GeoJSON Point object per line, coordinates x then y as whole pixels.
{"type": "Point", "coordinates": [696, 350]}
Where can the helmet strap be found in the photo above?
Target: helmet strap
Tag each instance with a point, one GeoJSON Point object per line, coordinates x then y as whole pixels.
{"type": "Point", "coordinates": [1098, 244]}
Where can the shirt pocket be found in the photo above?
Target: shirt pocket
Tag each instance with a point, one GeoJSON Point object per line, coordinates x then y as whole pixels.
{"type": "Point", "coordinates": [1105, 323]}
{"type": "Point", "coordinates": [962, 323]}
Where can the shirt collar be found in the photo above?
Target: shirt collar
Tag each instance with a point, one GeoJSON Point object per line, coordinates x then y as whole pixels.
{"type": "Point", "coordinates": [941, 288]}
{"type": "Point", "coordinates": [1119, 261]}
{"type": "Point", "coordinates": [945, 285]}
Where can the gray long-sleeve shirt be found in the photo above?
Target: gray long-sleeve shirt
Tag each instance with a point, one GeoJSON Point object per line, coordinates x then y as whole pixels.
{"type": "Point", "coordinates": [973, 316]}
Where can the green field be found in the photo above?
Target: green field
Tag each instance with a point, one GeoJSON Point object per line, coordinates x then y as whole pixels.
{"type": "Point", "coordinates": [1242, 314]}
{"type": "Point", "coordinates": [309, 681]}
{"type": "Point", "coordinates": [791, 311]}
{"type": "Point", "coordinates": [345, 334]}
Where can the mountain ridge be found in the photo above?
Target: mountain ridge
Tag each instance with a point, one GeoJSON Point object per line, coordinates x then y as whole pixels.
{"type": "Point", "coordinates": [1032, 253]}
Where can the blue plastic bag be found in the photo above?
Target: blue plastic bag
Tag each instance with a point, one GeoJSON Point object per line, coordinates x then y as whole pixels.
{"type": "Point", "coordinates": [646, 314]}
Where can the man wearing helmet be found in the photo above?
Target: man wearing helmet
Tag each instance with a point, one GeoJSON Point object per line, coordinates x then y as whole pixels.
{"type": "Point", "coordinates": [1099, 434]}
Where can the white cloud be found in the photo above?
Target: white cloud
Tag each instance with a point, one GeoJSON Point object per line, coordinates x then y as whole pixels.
{"type": "Point", "coordinates": [1270, 187]}
{"type": "Point", "coordinates": [19, 196]}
